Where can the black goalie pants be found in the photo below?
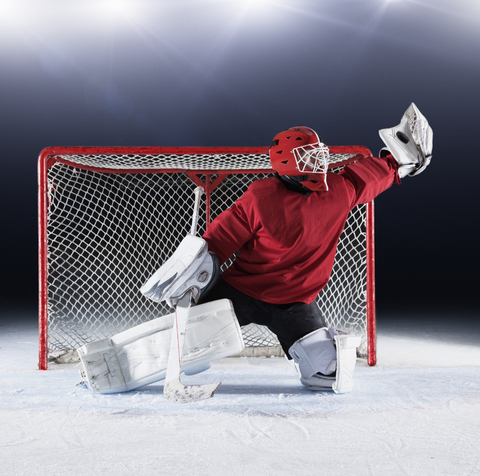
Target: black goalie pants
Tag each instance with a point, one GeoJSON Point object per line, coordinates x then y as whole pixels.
{"type": "Point", "coordinates": [289, 322]}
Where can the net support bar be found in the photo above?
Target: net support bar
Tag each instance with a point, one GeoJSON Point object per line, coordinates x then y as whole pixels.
{"type": "Point", "coordinates": [371, 322]}
{"type": "Point", "coordinates": [42, 264]}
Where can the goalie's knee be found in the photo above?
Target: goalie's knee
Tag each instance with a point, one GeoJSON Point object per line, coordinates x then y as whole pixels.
{"type": "Point", "coordinates": [325, 359]}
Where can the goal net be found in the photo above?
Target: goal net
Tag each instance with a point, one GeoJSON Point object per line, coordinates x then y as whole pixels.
{"type": "Point", "coordinates": [109, 217]}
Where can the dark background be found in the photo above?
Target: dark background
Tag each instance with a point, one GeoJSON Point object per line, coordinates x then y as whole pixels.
{"type": "Point", "coordinates": [177, 73]}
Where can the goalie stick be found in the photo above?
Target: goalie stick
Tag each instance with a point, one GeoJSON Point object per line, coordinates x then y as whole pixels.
{"type": "Point", "coordinates": [174, 390]}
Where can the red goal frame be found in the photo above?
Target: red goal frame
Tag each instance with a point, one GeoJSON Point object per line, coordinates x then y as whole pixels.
{"type": "Point", "coordinates": [49, 156]}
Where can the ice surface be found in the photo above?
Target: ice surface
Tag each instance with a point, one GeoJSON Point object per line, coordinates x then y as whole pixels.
{"type": "Point", "coordinates": [416, 413]}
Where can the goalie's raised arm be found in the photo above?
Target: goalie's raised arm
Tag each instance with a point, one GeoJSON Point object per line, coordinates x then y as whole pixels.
{"type": "Point", "coordinates": [410, 143]}
{"type": "Point", "coordinates": [283, 233]}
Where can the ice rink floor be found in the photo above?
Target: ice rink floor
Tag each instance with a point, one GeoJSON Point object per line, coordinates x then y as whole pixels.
{"type": "Point", "coordinates": [416, 413]}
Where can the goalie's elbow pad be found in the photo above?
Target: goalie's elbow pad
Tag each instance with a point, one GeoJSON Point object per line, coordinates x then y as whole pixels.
{"type": "Point", "coordinates": [410, 143]}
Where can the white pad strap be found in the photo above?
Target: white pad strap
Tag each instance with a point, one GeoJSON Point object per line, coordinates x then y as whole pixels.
{"type": "Point", "coordinates": [139, 356]}
{"type": "Point", "coordinates": [410, 143]}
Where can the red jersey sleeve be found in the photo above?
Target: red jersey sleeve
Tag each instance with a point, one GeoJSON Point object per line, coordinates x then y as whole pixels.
{"type": "Point", "coordinates": [231, 229]}
{"type": "Point", "coordinates": [369, 177]}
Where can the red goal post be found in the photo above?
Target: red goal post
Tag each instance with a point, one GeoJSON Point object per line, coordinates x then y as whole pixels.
{"type": "Point", "coordinates": [109, 216]}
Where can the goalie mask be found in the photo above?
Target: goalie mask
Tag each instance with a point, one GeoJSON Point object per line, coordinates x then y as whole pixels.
{"type": "Point", "coordinates": [299, 152]}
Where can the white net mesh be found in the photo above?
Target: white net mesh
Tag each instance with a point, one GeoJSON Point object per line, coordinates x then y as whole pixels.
{"type": "Point", "coordinates": [108, 232]}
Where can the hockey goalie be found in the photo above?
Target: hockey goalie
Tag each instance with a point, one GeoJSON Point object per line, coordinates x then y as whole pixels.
{"type": "Point", "coordinates": [285, 231]}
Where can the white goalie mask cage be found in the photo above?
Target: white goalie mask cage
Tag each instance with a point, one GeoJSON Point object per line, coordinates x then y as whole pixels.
{"type": "Point", "coordinates": [312, 158]}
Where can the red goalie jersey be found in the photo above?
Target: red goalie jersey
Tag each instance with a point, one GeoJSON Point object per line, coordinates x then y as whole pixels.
{"type": "Point", "coordinates": [287, 240]}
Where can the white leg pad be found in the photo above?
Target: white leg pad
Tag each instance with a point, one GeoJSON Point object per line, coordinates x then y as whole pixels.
{"type": "Point", "coordinates": [314, 353]}
{"type": "Point", "coordinates": [325, 360]}
{"type": "Point", "coordinates": [139, 356]}
{"type": "Point", "coordinates": [346, 345]}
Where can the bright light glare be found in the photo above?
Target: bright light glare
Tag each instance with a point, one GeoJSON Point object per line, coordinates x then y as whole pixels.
{"type": "Point", "coordinates": [255, 3]}
{"type": "Point", "coordinates": [7, 8]}
{"type": "Point", "coordinates": [11, 10]}
{"type": "Point", "coordinates": [14, 17]}
{"type": "Point", "coordinates": [117, 7]}
{"type": "Point", "coordinates": [256, 6]}
{"type": "Point", "coordinates": [129, 11]}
